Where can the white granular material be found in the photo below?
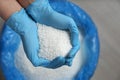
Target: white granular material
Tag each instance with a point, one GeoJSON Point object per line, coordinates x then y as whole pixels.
{"type": "Point", "coordinates": [53, 43]}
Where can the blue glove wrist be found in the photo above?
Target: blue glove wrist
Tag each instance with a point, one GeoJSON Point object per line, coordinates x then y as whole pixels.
{"type": "Point", "coordinates": [14, 22]}
{"type": "Point", "coordinates": [38, 9]}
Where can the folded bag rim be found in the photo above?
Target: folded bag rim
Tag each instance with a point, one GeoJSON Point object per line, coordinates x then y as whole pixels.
{"type": "Point", "coordinates": [86, 26]}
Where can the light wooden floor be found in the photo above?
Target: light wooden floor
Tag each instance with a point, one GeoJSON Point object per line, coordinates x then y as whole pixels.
{"type": "Point", "coordinates": [106, 15]}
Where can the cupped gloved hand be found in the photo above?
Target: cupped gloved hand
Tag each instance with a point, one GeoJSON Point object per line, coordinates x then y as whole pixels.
{"type": "Point", "coordinates": [41, 11]}
{"type": "Point", "coordinates": [27, 29]}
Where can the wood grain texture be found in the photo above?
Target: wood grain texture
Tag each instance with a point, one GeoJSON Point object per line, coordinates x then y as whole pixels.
{"type": "Point", "coordinates": [106, 15]}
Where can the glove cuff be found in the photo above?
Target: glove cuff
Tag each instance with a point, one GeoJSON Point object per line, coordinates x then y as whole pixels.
{"type": "Point", "coordinates": [39, 10]}
{"type": "Point", "coordinates": [14, 19]}
{"type": "Point", "coordinates": [18, 20]}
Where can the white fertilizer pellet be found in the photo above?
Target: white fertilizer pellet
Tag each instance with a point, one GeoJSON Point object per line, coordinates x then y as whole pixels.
{"type": "Point", "coordinates": [53, 43]}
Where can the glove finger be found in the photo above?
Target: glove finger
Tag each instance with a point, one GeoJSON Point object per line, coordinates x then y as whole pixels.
{"type": "Point", "coordinates": [69, 61]}
{"type": "Point", "coordinates": [57, 62]}
{"type": "Point", "coordinates": [73, 52]}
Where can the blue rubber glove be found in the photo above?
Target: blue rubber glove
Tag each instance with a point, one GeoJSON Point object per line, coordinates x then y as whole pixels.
{"type": "Point", "coordinates": [27, 29]}
{"type": "Point", "coordinates": [41, 11]}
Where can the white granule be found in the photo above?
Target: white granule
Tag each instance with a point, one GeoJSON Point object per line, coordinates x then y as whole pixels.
{"type": "Point", "coordinates": [53, 43]}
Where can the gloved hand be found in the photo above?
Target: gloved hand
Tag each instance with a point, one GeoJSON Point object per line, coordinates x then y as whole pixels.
{"type": "Point", "coordinates": [41, 11]}
{"type": "Point", "coordinates": [27, 29]}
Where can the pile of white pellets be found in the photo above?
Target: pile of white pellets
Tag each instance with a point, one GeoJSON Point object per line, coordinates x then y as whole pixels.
{"type": "Point", "coordinates": [53, 43]}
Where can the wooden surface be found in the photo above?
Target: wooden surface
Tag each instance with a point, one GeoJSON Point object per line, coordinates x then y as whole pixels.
{"type": "Point", "coordinates": [106, 15]}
